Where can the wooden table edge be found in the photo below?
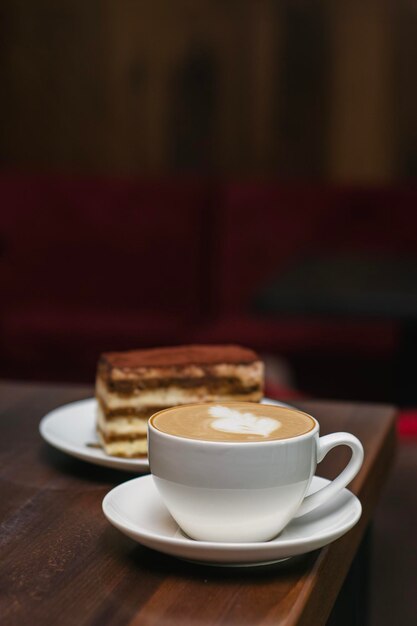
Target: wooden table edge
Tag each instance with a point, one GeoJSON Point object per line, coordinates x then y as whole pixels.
{"type": "Point", "coordinates": [306, 608]}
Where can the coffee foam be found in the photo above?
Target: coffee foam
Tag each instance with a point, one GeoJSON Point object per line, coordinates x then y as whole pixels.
{"type": "Point", "coordinates": [233, 421]}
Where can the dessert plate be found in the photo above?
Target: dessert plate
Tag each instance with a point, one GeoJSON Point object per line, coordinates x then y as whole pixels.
{"type": "Point", "coordinates": [136, 509]}
{"type": "Point", "coordinates": [72, 429]}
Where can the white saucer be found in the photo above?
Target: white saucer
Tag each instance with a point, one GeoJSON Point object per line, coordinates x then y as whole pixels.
{"type": "Point", "coordinates": [136, 509]}
{"type": "Point", "coordinates": [72, 429]}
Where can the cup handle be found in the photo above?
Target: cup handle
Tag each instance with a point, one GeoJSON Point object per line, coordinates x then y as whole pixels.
{"type": "Point", "coordinates": [324, 445]}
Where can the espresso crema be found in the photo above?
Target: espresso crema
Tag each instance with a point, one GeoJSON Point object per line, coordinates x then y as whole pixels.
{"type": "Point", "coordinates": [232, 421]}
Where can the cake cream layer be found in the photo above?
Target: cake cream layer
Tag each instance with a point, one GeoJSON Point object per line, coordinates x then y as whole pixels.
{"type": "Point", "coordinates": [126, 381]}
{"type": "Point", "coordinates": [124, 448]}
{"type": "Point", "coordinates": [121, 426]}
{"type": "Point", "coordinates": [166, 396]}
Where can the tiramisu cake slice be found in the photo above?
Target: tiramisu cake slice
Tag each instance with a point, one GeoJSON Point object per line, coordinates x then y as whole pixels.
{"type": "Point", "coordinates": [133, 385]}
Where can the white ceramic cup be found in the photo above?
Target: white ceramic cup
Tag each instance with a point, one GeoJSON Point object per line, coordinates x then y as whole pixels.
{"type": "Point", "coordinates": [243, 491]}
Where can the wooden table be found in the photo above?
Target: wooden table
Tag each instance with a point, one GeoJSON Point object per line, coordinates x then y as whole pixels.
{"type": "Point", "coordinates": [62, 563]}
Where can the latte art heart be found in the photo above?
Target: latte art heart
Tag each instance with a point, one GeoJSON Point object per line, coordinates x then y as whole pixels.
{"type": "Point", "coordinates": [233, 421]}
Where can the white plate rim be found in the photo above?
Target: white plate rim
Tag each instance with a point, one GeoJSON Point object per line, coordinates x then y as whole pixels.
{"type": "Point", "coordinates": [93, 455]}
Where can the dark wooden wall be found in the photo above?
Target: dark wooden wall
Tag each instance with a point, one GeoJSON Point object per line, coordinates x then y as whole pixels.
{"type": "Point", "coordinates": [296, 88]}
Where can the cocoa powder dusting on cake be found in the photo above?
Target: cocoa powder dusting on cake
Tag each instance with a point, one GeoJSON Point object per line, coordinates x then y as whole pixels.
{"type": "Point", "coordinates": [182, 355]}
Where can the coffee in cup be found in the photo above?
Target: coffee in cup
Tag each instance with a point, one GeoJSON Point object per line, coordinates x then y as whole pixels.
{"type": "Point", "coordinates": [239, 471]}
{"type": "Point", "coordinates": [234, 422]}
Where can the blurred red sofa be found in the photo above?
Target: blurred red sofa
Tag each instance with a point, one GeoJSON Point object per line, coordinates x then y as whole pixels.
{"type": "Point", "coordinates": [97, 264]}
